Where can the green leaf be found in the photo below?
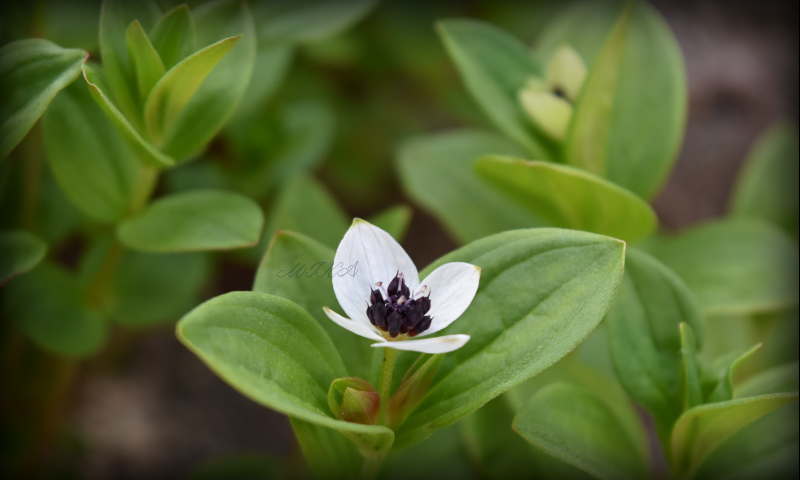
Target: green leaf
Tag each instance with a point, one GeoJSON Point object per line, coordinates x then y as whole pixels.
{"type": "Point", "coordinates": [197, 220]}
{"type": "Point", "coordinates": [575, 426]}
{"type": "Point", "coordinates": [542, 291]}
{"type": "Point", "coordinates": [735, 266]}
{"type": "Point", "coordinates": [276, 354]}
{"type": "Point", "coordinates": [702, 429]}
{"type": "Point", "coordinates": [218, 97]}
{"type": "Point", "coordinates": [767, 187]}
{"type": "Point", "coordinates": [725, 370]}
{"type": "Point", "coordinates": [270, 68]}
{"type": "Point", "coordinates": [293, 21]}
{"type": "Point", "coordinates": [436, 172]}
{"type": "Point", "coordinates": [644, 335]}
{"type": "Point", "coordinates": [173, 36]}
{"type": "Point", "coordinates": [146, 63]}
{"type": "Point", "coordinates": [32, 71]}
{"type": "Point", "coordinates": [691, 388]}
{"type": "Point", "coordinates": [640, 145]}
{"type": "Point", "coordinates": [48, 306]}
{"type": "Point", "coordinates": [567, 197]}
{"type": "Point", "coordinates": [298, 268]}
{"type": "Point", "coordinates": [494, 65]}
{"type": "Point", "coordinates": [21, 252]}
{"type": "Point", "coordinates": [328, 453]}
{"type": "Point", "coordinates": [413, 387]}
{"type": "Point", "coordinates": [394, 220]}
{"type": "Point", "coordinates": [780, 379]}
{"type": "Point", "coordinates": [145, 151]}
{"type": "Point", "coordinates": [94, 165]}
{"type": "Point", "coordinates": [177, 87]}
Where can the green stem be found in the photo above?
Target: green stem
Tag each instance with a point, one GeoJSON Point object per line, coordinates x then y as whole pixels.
{"type": "Point", "coordinates": [369, 471]}
{"type": "Point", "coordinates": [144, 189]}
{"type": "Point", "coordinates": [385, 385]}
{"type": "Point", "coordinates": [98, 293]}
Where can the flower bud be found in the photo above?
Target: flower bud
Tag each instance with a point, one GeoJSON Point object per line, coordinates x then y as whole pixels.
{"type": "Point", "coordinates": [354, 400]}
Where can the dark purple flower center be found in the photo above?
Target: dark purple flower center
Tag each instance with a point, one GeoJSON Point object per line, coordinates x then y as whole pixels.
{"type": "Point", "coordinates": [399, 313]}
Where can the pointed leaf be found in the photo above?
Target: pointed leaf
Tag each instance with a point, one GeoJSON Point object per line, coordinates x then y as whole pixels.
{"type": "Point", "coordinates": [413, 387]}
{"type": "Point", "coordinates": [21, 252]}
{"type": "Point", "coordinates": [780, 379]}
{"type": "Point", "coordinates": [173, 36]}
{"type": "Point", "coordinates": [393, 220]}
{"type": "Point", "coordinates": [691, 389]}
{"type": "Point", "coordinates": [145, 62]}
{"type": "Point", "coordinates": [32, 71]}
{"type": "Point", "coordinates": [567, 197]}
{"type": "Point", "coordinates": [724, 388]}
{"type": "Point", "coordinates": [301, 21]}
{"type": "Point", "coordinates": [198, 220]}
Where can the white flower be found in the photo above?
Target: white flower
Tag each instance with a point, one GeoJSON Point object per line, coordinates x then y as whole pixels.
{"type": "Point", "coordinates": [378, 286]}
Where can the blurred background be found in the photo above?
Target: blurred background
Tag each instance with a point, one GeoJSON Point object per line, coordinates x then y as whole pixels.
{"type": "Point", "coordinates": [148, 408]}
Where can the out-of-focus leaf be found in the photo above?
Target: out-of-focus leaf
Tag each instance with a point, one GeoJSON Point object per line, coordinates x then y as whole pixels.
{"type": "Point", "coordinates": [568, 197]}
{"type": "Point", "coordinates": [736, 266]}
{"type": "Point", "coordinates": [394, 220]}
{"type": "Point", "coordinates": [197, 220]}
{"type": "Point", "coordinates": [702, 429]}
{"type": "Point", "coordinates": [690, 387]}
{"type": "Point", "coordinates": [436, 172]}
{"type": "Point", "coordinates": [328, 453]}
{"type": "Point", "coordinates": [768, 186]}
{"type": "Point", "coordinates": [644, 335]}
{"type": "Point", "coordinates": [48, 306]}
{"type": "Point", "coordinates": [173, 36]}
{"type": "Point", "coordinates": [146, 63]}
{"type": "Point", "coordinates": [21, 251]}
{"type": "Point", "coordinates": [780, 379]}
{"type": "Point", "coordinates": [32, 71]}
{"type": "Point", "coordinates": [275, 353]}
{"type": "Point", "coordinates": [95, 167]}
{"type": "Point", "coordinates": [641, 143]}
{"type": "Point", "coordinates": [533, 284]}
{"type": "Point", "coordinates": [441, 457]}
{"type": "Point", "coordinates": [56, 216]}
{"type": "Point", "coordinates": [495, 66]}
{"type": "Point", "coordinates": [301, 21]}
{"type": "Point", "coordinates": [242, 466]}
{"type": "Point", "coordinates": [73, 24]}
{"type": "Point", "coordinates": [724, 371]}
{"type": "Point", "coordinates": [270, 68]}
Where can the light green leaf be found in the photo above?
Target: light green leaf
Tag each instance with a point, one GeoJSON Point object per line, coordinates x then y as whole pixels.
{"type": "Point", "coordinates": [394, 220]}
{"type": "Point", "coordinates": [173, 36]}
{"type": "Point", "coordinates": [293, 21]}
{"type": "Point", "coordinates": [146, 63]}
{"type": "Point", "coordinates": [567, 197]}
{"type": "Point", "coordinates": [644, 335]}
{"type": "Point", "coordinates": [276, 354]}
{"type": "Point", "coordinates": [641, 144]}
{"type": "Point", "coordinates": [725, 370]}
{"type": "Point", "coordinates": [145, 151]}
{"type": "Point", "coordinates": [32, 71]}
{"type": "Point", "coordinates": [177, 87]}
{"type": "Point", "coordinates": [767, 187]}
{"type": "Point", "coordinates": [21, 252]}
{"type": "Point", "coordinates": [575, 426]}
{"type": "Point", "coordinates": [702, 429]}
{"type": "Point", "coordinates": [736, 266]}
{"type": "Point", "coordinates": [691, 388]}
{"type": "Point", "coordinates": [780, 379]}
{"type": "Point", "coordinates": [495, 66]}
{"type": "Point", "coordinates": [436, 172]}
{"type": "Point", "coordinates": [94, 165]}
{"type": "Point", "coordinates": [542, 291]}
{"type": "Point", "coordinates": [48, 306]}
{"type": "Point", "coordinates": [328, 453]}
{"type": "Point", "coordinates": [196, 220]}
{"type": "Point", "coordinates": [299, 268]}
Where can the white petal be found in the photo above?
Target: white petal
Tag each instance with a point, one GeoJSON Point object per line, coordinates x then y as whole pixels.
{"type": "Point", "coordinates": [366, 331]}
{"type": "Point", "coordinates": [444, 344]}
{"type": "Point", "coordinates": [372, 256]}
{"type": "Point", "coordinates": [452, 287]}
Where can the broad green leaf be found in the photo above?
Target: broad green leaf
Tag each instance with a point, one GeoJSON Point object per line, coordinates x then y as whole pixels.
{"type": "Point", "coordinates": [394, 220]}
{"type": "Point", "coordinates": [735, 266]}
{"type": "Point", "coordinates": [495, 66]}
{"type": "Point", "coordinates": [640, 144]}
{"type": "Point", "coordinates": [328, 453]}
{"type": "Point", "coordinates": [94, 165]}
{"type": "Point", "coordinates": [644, 335]}
{"type": "Point", "coordinates": [32, 71]}
{"type": "Point", "coordinates": [299, 268]}
{"type": "Point", "coordinates": [173, 36]}
{"type": "Point", "coordinates": [691, 388]}
{"type": "Point", "coordinates": [144, 150]}
{"type": "Point", "coordinates": [177, 87]}
{"type": "Point", "coordinates": [780, 379]}
{"type": "Point", "coordinates": [767, 187]}
{"type": "Point", "coordinates": [542, 291]}
{"type": "Point", "coordinates": [702, 429]}
{"type": "Point", "coordinates": [276, 354]}
{"type": "Point", "coordinates": [436, 172]}
{"type": "Point", "coordinates": [575, 426]}
{"type": "Point", "coordinates": [48, 306]}
{"type": "Point", "coordinates": [725, 371]}
{"type": "Point", "coordinates": [197, 220]}
{"type": "Point", "coordinates": [270, 68]}
{"type": "Point", "coordinates": [568, 197]}
{"type": "Point", "coordinates": [218, 97]}
{"type": "Point", "coordinates": [146, 63]}
{"type": "Point", "coordinates": [293, 21]}
{"type": "Point", "coordinates": [21, 252]}
{"type": "Point", "coordinates": [766, 449]}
